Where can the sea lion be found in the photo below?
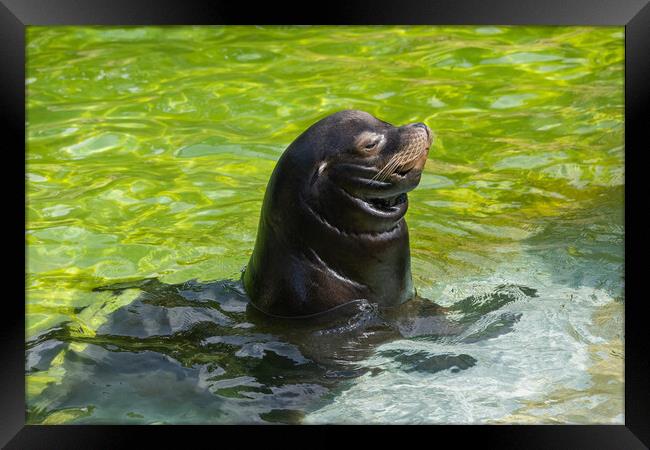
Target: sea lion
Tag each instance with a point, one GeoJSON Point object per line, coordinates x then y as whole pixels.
{"type": "Point", "coordinates": [332, 228]}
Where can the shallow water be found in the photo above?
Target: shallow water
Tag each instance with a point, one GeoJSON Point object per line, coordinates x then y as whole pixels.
{"type": "Point", "coordinates": [148, 154]}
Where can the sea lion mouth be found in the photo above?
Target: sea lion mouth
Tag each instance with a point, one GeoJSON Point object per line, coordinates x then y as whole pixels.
{"type": "Point", "coordinates": [405, 174]}
{"type": "Point", "coordinates": [394, 199]}
{"type": "Point", "coordinates": [387, 204]}
{"type": "Point", "coordinates": [389, 207]}
{"type": "Point", "coordinates": [384, 199]}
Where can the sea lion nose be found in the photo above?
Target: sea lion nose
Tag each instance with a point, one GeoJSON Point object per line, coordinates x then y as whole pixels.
{"type": "Point", "coordinates": [421, 125]}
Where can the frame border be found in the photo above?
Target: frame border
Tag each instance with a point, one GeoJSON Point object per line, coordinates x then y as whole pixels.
{"type": "Point", "coordinates": [15, 15]}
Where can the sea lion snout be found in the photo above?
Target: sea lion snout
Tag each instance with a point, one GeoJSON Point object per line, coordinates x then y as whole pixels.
{"type": "Point", "coordinates": [424, 130]}
{"type": "Point", "coordinates": [427, 131]}
{"type": "Point", "coordinates": [421, 125]}
{"type": "Point", "coordinates": [416, 140]}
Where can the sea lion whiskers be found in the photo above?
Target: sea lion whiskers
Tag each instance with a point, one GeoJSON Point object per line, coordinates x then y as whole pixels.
{"type": "Point", "coordinates": [398, 161]}
{"type": "Point", "coordinates": [379, 175]}
{"type": "Point", "coordinates": [388, 167]}
{"type": "Point", "coordinates": [412, 153]}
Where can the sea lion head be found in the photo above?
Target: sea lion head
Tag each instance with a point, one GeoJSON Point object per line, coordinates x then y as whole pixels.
{"type": "Point", "coordinates": [332, 226]}
{"type": "Point", "coordinates": [365, 168]}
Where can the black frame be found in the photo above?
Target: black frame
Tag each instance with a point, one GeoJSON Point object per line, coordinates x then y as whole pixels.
{"type": "Point", "coordinates": [633, 14]}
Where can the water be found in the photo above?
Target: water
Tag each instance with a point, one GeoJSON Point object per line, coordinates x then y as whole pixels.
{"type": "Point", "coordinates": [149, 149]}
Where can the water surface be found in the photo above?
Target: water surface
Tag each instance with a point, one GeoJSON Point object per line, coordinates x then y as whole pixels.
{"type": "Point", "coordinates": [149, 149]}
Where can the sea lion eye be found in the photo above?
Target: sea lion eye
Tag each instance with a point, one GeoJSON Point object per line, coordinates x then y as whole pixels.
{"type": "Point", "coordinates": [369, 141]}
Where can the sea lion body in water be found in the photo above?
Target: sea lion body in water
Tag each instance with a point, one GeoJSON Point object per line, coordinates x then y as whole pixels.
{"type": "Point", "coordinates": [332, 228]}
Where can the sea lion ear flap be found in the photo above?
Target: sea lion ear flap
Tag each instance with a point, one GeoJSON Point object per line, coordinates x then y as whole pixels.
{"type": "Point", "coordinates": [318, 172]}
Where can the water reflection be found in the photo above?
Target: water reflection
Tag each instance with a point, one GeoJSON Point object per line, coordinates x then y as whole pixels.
{"type": "Point", "coordinates": [200, 352]}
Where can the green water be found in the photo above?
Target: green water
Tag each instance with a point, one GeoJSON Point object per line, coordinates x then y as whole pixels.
{"type": "Point", "coordinates": [149, 149]}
